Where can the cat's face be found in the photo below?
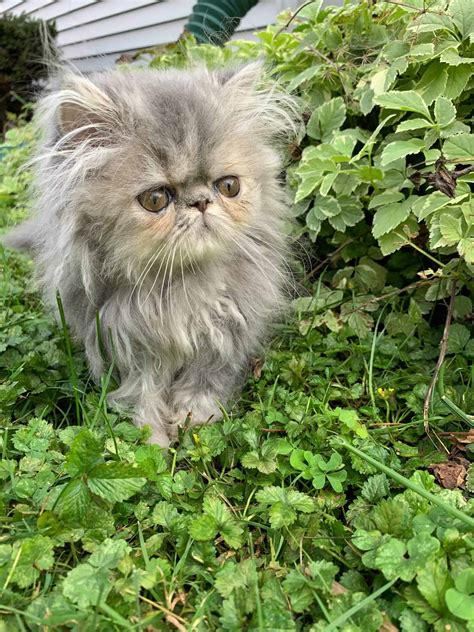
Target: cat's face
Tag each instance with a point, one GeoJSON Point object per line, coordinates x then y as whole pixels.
{"type": "Point", "coordinates": [178, 165]}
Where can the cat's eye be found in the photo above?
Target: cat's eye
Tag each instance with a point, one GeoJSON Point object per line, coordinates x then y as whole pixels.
{"type": "Point", "coordinates": [229, 186]}
{"type": "Point", "coordinates": [156, 200]}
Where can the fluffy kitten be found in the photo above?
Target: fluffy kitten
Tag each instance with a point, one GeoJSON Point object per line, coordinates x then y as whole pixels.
{"type": "Point", "coordinates": [158, 207]}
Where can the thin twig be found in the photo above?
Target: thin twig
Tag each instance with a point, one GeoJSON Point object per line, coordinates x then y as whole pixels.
{"type": "Point", "coordinates": [462, 172]}
{"type": "Point", "coordinates": [328, 259]}
{"type": "Point", "coordinates": [439, 363]}
{"type": "Point", "coordinates": [293, 16]}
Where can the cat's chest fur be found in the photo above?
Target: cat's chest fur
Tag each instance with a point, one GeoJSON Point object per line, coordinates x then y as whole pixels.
{"type": "Point", "coordinates": [208, 308]}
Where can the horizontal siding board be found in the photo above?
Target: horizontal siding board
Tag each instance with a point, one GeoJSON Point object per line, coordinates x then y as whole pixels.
{"type": "Point", "coordinates": [35, 5]}
{"type": "Point", "coordinates": [7, 5]}
{"type": "Point", "coordinates": [99, 11]}
{"type": "Point", "coordinates": [62, 8]}
{"type": "Point", "coordinates": [123, 22]}
{"type": "Point", "coordinates": [133, 40]}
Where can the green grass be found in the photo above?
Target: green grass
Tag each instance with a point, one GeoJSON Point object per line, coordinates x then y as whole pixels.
{"type": "Point", "coordinates": [309, 507]}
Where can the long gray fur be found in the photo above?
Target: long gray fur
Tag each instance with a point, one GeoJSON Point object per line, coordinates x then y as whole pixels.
{"type": "Point", "coordinates": [182, 305]}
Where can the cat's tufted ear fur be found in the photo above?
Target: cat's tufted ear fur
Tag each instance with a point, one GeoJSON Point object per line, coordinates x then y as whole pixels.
{"type": "Point", "coordinates": [246, 77]}
{"type": "Point", "coordinates": [84, 112]}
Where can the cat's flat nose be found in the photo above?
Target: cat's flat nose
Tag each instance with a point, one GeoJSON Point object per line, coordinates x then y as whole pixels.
{"type": "Point", "coordinates": [201, 204]}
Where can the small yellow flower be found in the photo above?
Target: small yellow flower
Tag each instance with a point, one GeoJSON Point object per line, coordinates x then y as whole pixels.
{"type": "Point", "coordinates": [385, 393]}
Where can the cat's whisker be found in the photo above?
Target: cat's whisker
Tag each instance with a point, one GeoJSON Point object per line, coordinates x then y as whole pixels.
{"type": "Point", "coordinates": [151, 262]}
{"type": "Point", "coordinates": [184, 282]}
{"type": "Point", "coordinates": [165, 258]}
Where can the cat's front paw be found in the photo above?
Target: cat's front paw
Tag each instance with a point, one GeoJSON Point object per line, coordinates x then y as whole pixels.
{"type": "Point", "coordinates": [159, 433]}
{"type": "Point", "coordinates": [201, 410]}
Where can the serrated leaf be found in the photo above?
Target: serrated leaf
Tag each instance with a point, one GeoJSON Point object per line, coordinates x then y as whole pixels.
{"type": "Point", "coordinates": [397, 238]}
{"type": "Point", "coordinates": [114, 481]}
{"type": "Point", "coordinates": [327, 206]}
{"type": "Point", "coordinates": [433, 581]}
{"type": "Point", "coordinates": [451, 226]}
{"type": "Point", "coordinates": [466, 249]}
{"type": "Point", "coordinates": [109, 553]}
{"type": "Point", "coordinates": [460, 148]}
{"type": "Point", "coordinates": [85, 585]}
{"type": "Point", "coordinates": [463, 16]}
{"type": "Point", "coordinates": [327, 118]}
{"type": "Point", "coordinates": [73, 500]}
{"type": "Point", "coordinates": [375, 488]}
{"type": "Point", "coordinates": [400, 149]}
{"type": "Point", "coordinates": [412, 124]}
{"type": "Point", "coordinates": [203, 528]}
{"type": "Point", "coordinates": [433, 82]}
{"type": "Point", "coordinates": [85, 452]}
{"type": "Point", "coordinates": [405, 101]}
{"type": "Point", "coordinates": [390, 216]}
{"type": "Point", "coordinates": [458, 76]}
{"type": "Point", "coordinates": [444, 110]}
{"type": "Point", "coordinates": [311, 174]}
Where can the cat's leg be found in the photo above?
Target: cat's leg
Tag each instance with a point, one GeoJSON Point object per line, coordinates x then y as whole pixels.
{"type": "Point", "coordinates": [147, 398]}
{"type": "Point", "coordinates": [202, 388]}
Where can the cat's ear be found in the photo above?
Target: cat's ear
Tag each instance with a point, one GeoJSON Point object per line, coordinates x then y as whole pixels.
{"type": "Point", "coordinates": [242, 77]}
{"type": "Point", "coordinates": [85, 112]}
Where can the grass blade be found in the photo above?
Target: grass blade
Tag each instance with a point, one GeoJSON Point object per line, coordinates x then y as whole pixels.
{"type": "Point", "coordinates": [335, 625]}
{"type": "Point", "coordinates": [456, 513]}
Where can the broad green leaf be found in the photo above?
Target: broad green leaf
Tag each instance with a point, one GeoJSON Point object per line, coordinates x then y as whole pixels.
{"type": "Point", "coordinates": [390, 216]}
{"type": "Point", "coordinates": [466, 249]}
{"type": "Point", "coordinates": [115, 481]}
{"type": "Point", "coordinates": [265, 463]}
{"type": "Point", "coordinates": [458, 338]}
{"type": "Point", "coordinates": [327, 182]}
{"type": "Point", "coordinates": [453, 58]}
{"type": "Point", "coordinates": [336, 479]}
{"type": "Point", "coordinates": [311, 174]}
{"type": "Point", "coordinates": [405, 101]}
{"type": "Point", "coordinates": [350, 419]}
{"type": "Point", "coordinates": [451, 226]}
{"type": "Point", "coordinates": [232, 533]}
{"type": "Point", "coordinates": [73, 500]}
{"type": "Point", "coordinates": [326, 119]}
{"type": "Point", "coordinates": [361, 322]}
{"type": "Point", "coordinates": [350, 215]}
{"type": "Point", "coordinates": [397, 238]}
{"type": "Point", "coordinates": [460, 604]}
{"type": "Point", "coordinates": [464, 582]}
{"type": "Point", "coordinates": [86, 585]}
{"type": "Point", "coordinates": [460, 148]}
{"type": "Point", "coordinates": [85, 452]}
{"type": "Point", "coordinates": [433, 82]}
{"type": "Point", "coordinates": [203, 528]}
{"type": "Point", "coordinates": [29, 556]}
{"type": "Point", "coordinates": [430, 22]}
{"type": "Point", "coordinates": [412, 124]}
{"type": "Point", "coordinates": [328, 206]}
{"type": "Point", "coordinates": [463, 16]}
{"type": "Point", "coordinates": [401, 148]}
{"type": "Point", "coordinates": [390, 558]}
{"type": "Point", "coordinates": [385, 198]}
{"type": "Point", "coordinates": [444, 110]}
{"type": "Point", "coordinates": [433, 581]}
{"type": "Point", "coordinates": [109, 553]}
{"type": "Point", "coordinates": [458, 76]}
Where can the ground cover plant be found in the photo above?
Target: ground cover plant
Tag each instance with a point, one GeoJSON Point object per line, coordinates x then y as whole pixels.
{"type": "Point", "coordinates": [336, 494]}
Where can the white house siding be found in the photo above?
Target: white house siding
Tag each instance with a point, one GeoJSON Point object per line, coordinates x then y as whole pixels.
{"type": "Point", "coordinates": [93, 33]}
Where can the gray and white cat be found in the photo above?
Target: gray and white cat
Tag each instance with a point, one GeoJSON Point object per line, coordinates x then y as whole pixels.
{"type": "Point", "coordinates": [158, 206]}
